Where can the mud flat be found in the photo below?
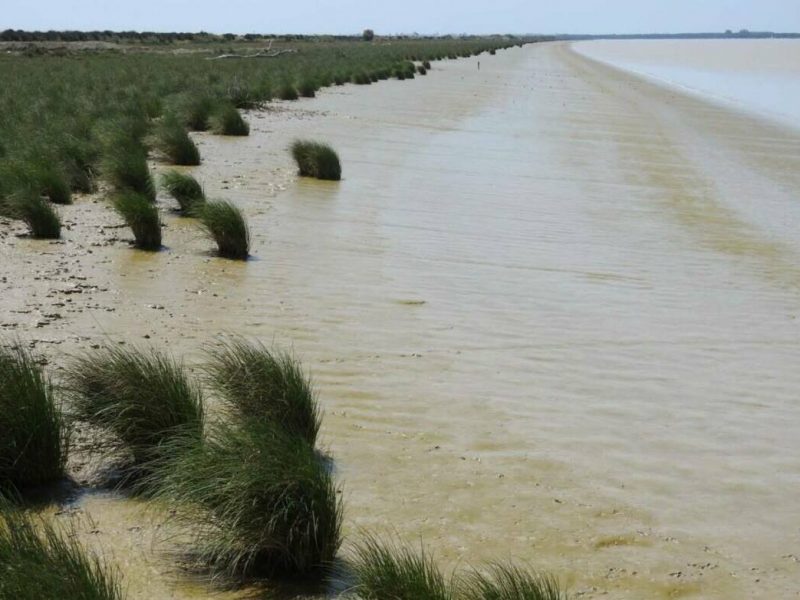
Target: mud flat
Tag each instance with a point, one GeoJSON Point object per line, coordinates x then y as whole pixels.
{"type": "Point", "coordinates": [551, 309]}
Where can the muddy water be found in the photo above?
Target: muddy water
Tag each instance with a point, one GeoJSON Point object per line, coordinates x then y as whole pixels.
{"type": "Point", "coordinates": [551, 310]}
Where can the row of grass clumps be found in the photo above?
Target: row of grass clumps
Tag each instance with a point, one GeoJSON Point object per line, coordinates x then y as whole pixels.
{"type": "Point", "coordinates": [252, 488]}
{"type": "Point", "coordinates": [58, 112]}
{"type": "Point", "coordinates": [388, 570]}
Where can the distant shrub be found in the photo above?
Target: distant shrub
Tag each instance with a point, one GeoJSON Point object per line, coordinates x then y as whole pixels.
{"type": "Point", "coordinates": [287, 91]}
{"type": "Point", "coordinates": [422, 70]}
{"type": "Point", "coordinates": [315, 159]}
{"type": "Point", "coordinates": [126, 168]}
{"type": "Point", "coordinates": [37, 213]}
{"type": "Point", "coordinates": [307, 88]}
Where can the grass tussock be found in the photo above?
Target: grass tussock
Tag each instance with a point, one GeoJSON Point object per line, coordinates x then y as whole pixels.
{"type": "Point", "coordinates": [389, 571]}
{"type": "Point", "coordinates": [266, 385]}
{"type": "Point", "coordinates": [228, 121]}
{"type": "Point", "coordinates": [38, 562]}
{"type": "Point", "coordinates": [125, 167]}
{"type": "Point", "coordinates": [143, 398]}
{"type": "Point", "coordinates": [510, 582]}
{"type": "Point", "coordinates": [37, 213]}
{"type": "Point", "coordinates": [308, 88]}
{"type": "Point", "coordinates": [226, 224]}
{"type": "Point", "coordinates": [186, 190]}
{"type": "Point", "coordinates": [287, 91]}
{"type": "Point", "coordinates": [174, 141]}
{"type": "Point", "coordinates": [259, 502]}
{"type": "Point", "coordinates": [142, 217]}
{"type": "Point", "coordinates": [33, 433]}
{"type": "Point", "coordinates": [315, 159]}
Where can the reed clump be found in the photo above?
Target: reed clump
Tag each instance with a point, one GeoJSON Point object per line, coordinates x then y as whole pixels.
{"type": "Point", "coordinates": [141, 398]}
{"type": "Point", "coordinates": [315, 159]}
{"type": "Point", "coordinates": [287, 91]}
{"type": "Point", "coordinates": [37, 213]}
{"type": "Point", "coordinates": [39, 561]}
{"type": "Point", "coordinates": [260, 502]}
{"type": "Point", "coordinates": [266, 385]}
{"type": "Point", "coordinates": [141, 216]}
{"type": "Point", "coordinates": [125, 167]}
{"type": "Point", "coordinates": [186, 190]}
{"type": "Point", "coordinates": [500, 581]}
{"type": "Point", "coordinates": [226, 224]}
{"type": "Point", "coordinates": [174, 141]}
{"type": "Point", "coordinates": [227, 120]}
{"type": "Point", "coordinates": [34, 437]}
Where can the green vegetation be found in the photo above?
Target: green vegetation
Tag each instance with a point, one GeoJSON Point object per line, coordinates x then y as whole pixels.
{"type": "Point", "coordinates": [141, 216]}
{"type": "Point", "coordinates": [186, 190]}
{"type": "Point", "coordinates": [39, 562]}
{"type": "Point", "coordinates": [142, 398]}
{"type": "Point", "coordinates": [226, 224]}
{"type": "Point", "coordinates": [67, 119]}
{"type": "Point", "coordinates": [34, 438]}
{"type": "Point", "coordinates": [175, 143]}
{"type": "Point", "coordinates": [385, 571]}
{"type": "Point", "coordinates": [510, 582]}
{"type": "Point", "coordinates": [315, 159]}
{"type": "Point", "coordinates": [228, 121]}
{"type": "Point", "coordinates": [37, 213]}
{"type": "Point", "coordinates": [260, 502]}
{"type": "Point", "coordinates": [265, 385]}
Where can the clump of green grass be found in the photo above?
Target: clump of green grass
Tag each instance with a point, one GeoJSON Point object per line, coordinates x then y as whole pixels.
{"type": "Point", "coordinates": [259, 502]}
{"type": "Point", "coordinates": [186, 190]}
{"type": "Point", "coordinates": [361, 78]}
{"type": "Point", "coordinates": [141, 216]}
{"type": "Point", "coordinates": [196, 112]}
{"type": "Point", "coordinates": [267, 385]}
{"type": "Point", "coordinates": [426, 64]}
{"type": "Point", "coordinates": [37, 562]}
{"type": "Point", "coordinates": [385, 571]}
{"type": "Point", "coordinates": [175, 143]}
{"type": "Point", "coordinates": [142, 398]}
{"type": "Point", "coordinates": [315, 159]}
{"type": "Point", "coordinates": [287, 91]}
{"type": "Point", "coordinates": [422, 70]}
{"type": "Point", "coordinates": [228, 121]}
{"type": "Point", "coordinates": [307, 88]}
{"type": "Point", "coordinates": [34, 438]}
{"type": "Point", "coordinates": [37, 213]}
{"type": "Point", "coordinates": [510, 582]}
{"type": "Point", "coordinates": [126, 168]}
{"type": "Point", "coordinates": [226, 224]}
{"type": "Point", "coordinates": [340, 78]}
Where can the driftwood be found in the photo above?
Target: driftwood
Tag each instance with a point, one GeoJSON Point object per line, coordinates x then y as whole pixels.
{"type": "Point", "coordinates": [267, 52]}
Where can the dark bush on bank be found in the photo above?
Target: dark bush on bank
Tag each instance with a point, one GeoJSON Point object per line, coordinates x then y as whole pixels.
{"type": "Point", "coordinates": [186, 190]}
{"type": "Point", "coordinates": [227, 226]}
{"type": "Point", "coordinates": [315, 159]}
{"type": "Point", "coordinates": [141, 216]}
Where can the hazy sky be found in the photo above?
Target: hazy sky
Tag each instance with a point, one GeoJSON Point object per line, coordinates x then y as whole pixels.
{"type": "Point", "coordinates": [423, 16]}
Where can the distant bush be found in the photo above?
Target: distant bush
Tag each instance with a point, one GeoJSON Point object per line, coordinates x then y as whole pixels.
{"type": "Point", "coordinates": [37, 213]}
{"type": "Point", "coordinates": [228, 121]}
{"type": "Point", "coordinates": [227, 226]}
{"type": "Point", "coordinates": [186, 190]}
{"type": "Point", "coordinates": [175, 143]}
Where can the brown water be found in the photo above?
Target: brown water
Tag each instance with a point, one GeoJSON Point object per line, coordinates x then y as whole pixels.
{"type": "Point", "coordinates": [551, 311]}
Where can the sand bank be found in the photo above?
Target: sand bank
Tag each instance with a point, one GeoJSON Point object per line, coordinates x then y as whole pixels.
{"type": "Point", "coordinates": [551, 311]}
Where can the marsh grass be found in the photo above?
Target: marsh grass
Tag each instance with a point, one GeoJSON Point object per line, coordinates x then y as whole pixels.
{"type": "Point", "coordinates": [266, 385]}
{"type": "Point", "coordinates": [197, 112]}
{"type": "Point", "coordinates": [186, 190]}
{"type": "Point", "coordinates": [142, 217]}
{"type": "Point", "coordinates": [226, 224]}
{"type": "Point", "coordinates": [499, 581]}
{"type": "Point", "coordinates": [422, 70]}
{"type": "Point", "coordinates": [228, 121]}
{"type": "Point", "coordinates": [37, 213]}
{"type": "Point", "coordinates": [308, 88]}
{"type": "Point", "coordinates": [287, 91]}
{"type": "Point", "coordinates": [125, 167]}
{"type": "Point", "coordinates": [315, 159]}
{"type": "Point", "coordinates": [143, 398]}
{"type": "Point", "coordinates": [174, 141]}
{"type": "Point", "coordinates": [40, 562]}
{"type": "Point", "coordinates": [259, 502]}
{"type": "Point", "coordinates": [385, 571]}
{"type": "Point", "coordinates": [34, 437]}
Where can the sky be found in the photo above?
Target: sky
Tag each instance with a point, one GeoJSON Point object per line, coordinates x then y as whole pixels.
{"type": "Point", "coordinates": [409, 16]}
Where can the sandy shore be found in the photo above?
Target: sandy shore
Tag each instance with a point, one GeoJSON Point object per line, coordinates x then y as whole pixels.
{"type": "Point", "coordinates": [551, 311]}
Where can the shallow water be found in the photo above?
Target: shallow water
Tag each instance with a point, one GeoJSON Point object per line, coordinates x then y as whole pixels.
{"type": "Point", "coordinates": [760, 76]}
{"type": "Point", "coordinates": [551, 310]}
